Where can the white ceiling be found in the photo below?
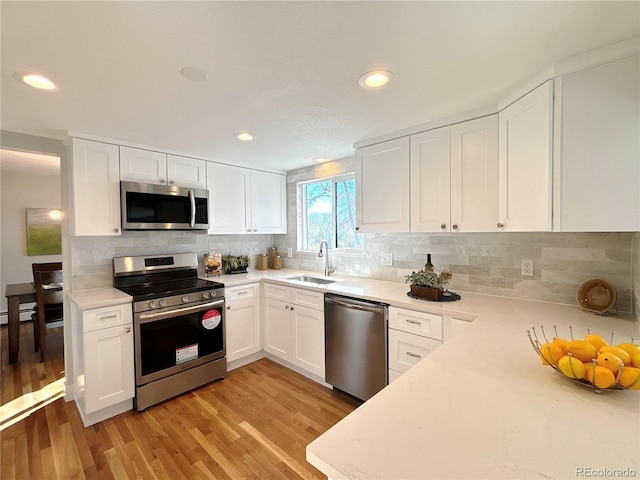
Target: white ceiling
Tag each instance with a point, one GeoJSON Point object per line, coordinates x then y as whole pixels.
{"type": "Point", "coordinates": [286, 71]}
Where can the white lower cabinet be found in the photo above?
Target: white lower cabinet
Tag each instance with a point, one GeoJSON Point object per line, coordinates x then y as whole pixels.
{"type": "Point", "coordinates": [412, 336]}
{"type": "Point", "coordinates": [103, 361]}
{"type": "Point", "coordinates": [243, 320]}
{"type": "Point", "coordinates": [294, 326]}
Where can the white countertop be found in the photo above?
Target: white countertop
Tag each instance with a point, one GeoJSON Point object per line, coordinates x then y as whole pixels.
{"type": "Point", "coordinates": [98, 297]}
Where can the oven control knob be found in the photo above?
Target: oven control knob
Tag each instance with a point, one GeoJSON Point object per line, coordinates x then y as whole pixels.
{"type": "Point", "coordinates": [214, 293]}
{"type": "Point", "coordinates": [185, 298]}
{"type": "Point", "coordinates": [163, 303]}
{"type": "Point", "coordinates": [153, 304]}
{"type": "Point", "coordinates": [205, 294]}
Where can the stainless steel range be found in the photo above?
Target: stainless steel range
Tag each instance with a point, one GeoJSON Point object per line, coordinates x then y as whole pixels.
{"type": "Point", "coordinates": [178, 325]}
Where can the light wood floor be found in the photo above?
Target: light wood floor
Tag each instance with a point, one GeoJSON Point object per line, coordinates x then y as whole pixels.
{"type": "Point", "coordinates": [254, 424]}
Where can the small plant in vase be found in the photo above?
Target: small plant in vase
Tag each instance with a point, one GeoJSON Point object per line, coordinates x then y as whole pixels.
{"type": "Point", "coordinates": [427, 284]}
{"type": "Point", "coordinates": [235, 263]}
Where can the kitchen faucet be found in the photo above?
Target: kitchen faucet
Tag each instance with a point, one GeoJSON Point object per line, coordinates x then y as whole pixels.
{"type": "Point", "coordinates": [324, 253]}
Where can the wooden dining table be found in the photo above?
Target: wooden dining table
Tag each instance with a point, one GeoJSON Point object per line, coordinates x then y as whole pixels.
{"type": "Point", "coordinates": [16, 294]}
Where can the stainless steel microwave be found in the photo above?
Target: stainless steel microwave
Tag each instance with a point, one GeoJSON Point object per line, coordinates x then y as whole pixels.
{"type": "Point", "coordinates": [163, 207]}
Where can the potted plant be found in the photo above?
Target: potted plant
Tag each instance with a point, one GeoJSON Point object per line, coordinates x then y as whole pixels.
{"type": "Point", "coordinates": [235, 263]}
{"type": "Point", "coordinates": [426, 283]}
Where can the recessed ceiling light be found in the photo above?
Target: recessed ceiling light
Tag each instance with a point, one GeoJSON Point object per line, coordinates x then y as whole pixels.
{"type": "Point", "coordinates": [245, 136]}
{"type": "Point", "coordinates": [321, 159]}
{"type": "Point", "coordinates": [35, 80]}
{"type": "Point", "coordinates": [194, 74]}
{"type": "Point", "coordinates": [375, 79]}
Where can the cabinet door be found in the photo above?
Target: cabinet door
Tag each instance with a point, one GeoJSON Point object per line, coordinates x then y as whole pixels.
{"type": "Point", "coordinates": [229, 198]}
{"type": "Point", "coordinates": [474, 175]}
{"type": "Point", "coordinates": [382, 193]}
{"type": "Point", "coordinates": [599, 167]}
{"type": "Point", "coordinates": [430, 181]}
{"type": "Point", "coordinates": [138, 165]}
{"type": "Point", "coordinates": [96, 188]}
{"type": "Point", "coordinates": [268, 202]}
{"type": "Point", "coordinates": [405, 349]}
{"type": "Point", "coordinates": [186, 172]}
{"type": "Point", "coordinates": [308, 339]}
{"type": "Point", "coordinates": [243, 328]}
{"type": "Point", "coordinates": [277, 328]}
{"type": "Point", "coordinates": [109, 365]}
{"type": "Point", "coordinates": [525, 162]}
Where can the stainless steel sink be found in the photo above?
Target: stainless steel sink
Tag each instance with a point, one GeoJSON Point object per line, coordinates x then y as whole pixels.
{"type": "Point", "coordinates": [313, 280]}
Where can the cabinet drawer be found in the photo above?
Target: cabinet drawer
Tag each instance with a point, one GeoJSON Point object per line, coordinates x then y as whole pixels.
{"type": "Point", "coordinates": [279, 292]}
{"type": "Point", "coordinates": [244, 291]}
{"type": "Point", "coordinates": [406, 349]}
{"type": "Point", "coordinates": [307, 298]}
{"type": "Point", "coordinates": [98, 318]}
{"type": "Point", "coordinates": [418, 323]}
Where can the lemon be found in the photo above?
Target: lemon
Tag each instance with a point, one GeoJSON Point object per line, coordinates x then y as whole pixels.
{"type": "Point", "coordinates": [550, 353]}
{"type": "Point", "coordinates": [610, 361]}
{"type": "Point", "coordinates": [600, 377]}
{"type": "Point", "coordinates": [562, 343]}
{"type": "Point", "coordinates": [635, 360]}
{"type": "Point", "coordinates": [572, 367]}
{"type": "Point", "coordinates": [630, 348]}
{"type": "Point", "coordinates": [582, 350]}
{"type": "Point", "coordinates": [595, 340]}
{"type": "Point", "coordinates": [630, 378]}
{"type": "Point", "coordinates": [618, 352]}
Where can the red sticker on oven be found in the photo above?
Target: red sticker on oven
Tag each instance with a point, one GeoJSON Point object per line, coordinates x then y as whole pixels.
{"type": "Point", "coordinates": [211, 319]}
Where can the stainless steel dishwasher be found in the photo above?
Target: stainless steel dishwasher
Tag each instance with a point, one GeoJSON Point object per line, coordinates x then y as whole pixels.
{"type": "Point", "coordinates": [355, 345]}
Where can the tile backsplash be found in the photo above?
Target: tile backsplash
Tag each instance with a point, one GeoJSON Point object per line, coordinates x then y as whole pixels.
{"type": "Point", "coordinates": [636, 276]}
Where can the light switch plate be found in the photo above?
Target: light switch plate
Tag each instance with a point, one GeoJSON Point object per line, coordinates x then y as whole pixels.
{"type": "Point", "coordinates": [386, 259]}
{"type": "Point", "coordinates": [289, 252]}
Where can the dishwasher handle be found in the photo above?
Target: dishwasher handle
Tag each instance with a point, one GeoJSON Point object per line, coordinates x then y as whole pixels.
{"type": "Point", "coordinates": [355, 304]}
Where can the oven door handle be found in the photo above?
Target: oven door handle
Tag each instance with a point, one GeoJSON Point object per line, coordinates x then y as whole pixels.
{"type": "Point", "coordinates": [145, 317]}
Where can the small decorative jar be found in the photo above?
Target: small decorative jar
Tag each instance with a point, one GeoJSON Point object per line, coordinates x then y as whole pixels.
{"type": "Point", "coordinates": [277, 262]}
{"type": "Point", "coordinates": [263, 261]}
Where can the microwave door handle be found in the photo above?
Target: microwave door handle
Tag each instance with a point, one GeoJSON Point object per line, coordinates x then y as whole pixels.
{"type": "Point", "coordinates": [192, 200]}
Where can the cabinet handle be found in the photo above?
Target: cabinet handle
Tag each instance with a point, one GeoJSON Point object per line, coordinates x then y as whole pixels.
{"type": "Point", "coordinates": [443, 226]}
{"type": "Point", "coordinates": [500, 225]}
{"type": "Point", "coordinates": [162, 180]}
{"type": "Point", "coordinates": [116, 230]}
{"type": "Point", "coordinates": [127, 330]}
{"type": "Point", "coordinates": [255, 229]}
{"type": "Point", "coordinates": [415, 355]}
{"type": "Point", "coordinates": [244, 292]}
{"type": "Point", "coordinates": [414, 322]}
{"type": "Point", "coordinates": [286, 307]}
{"type": "Point", "coordinates": [107, 317]}
{"type": "Point", "coordinates": [171, 182]}
{"type": "Point", "coordinates": [228, 307]}
{"type": "Point", "coordinates": [248, 230]}
{"type": "Point", "coordinates": [292, 309]}
{"type": "Point", "coordinates": [357, 228]}
{"type": "Point", "coordinates": [454, 226]}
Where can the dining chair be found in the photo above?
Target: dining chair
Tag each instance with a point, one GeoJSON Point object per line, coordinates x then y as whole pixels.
{"type": "Point", "coordinates": [49, 298]}
{"type": "Point", "coordinates": [52, 311]}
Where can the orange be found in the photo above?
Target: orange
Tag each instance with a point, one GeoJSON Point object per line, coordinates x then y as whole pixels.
{"type": "Point", "coordinates": [550, 353]}
{"type": "Point", "coordinates": [610, 361]}
{"type": "Point", "coordinates": [595, 340]}
{"type": "Point", "coordinates": [630, 378]}
{"type": "Point", "coordinates": [582, 350]}
{"type": "Point", "coordinates": [601, 377]}
{"type": "Point", "coordinates": [618, 352]}
{"type": "Point", "coordinates": [572, 367]}
{"type": "Point", "coordinates": [635, 360]}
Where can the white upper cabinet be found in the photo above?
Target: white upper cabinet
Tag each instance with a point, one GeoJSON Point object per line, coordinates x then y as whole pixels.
{"type": "Point", "coordinates": [474, 175]}
{"type": "Point", "coordinates": [525, 168]}
{"type": "Point", "coordinates": [454, 178]}
{"type": "Point", "coordinates": [382, 196]}
{"type": "Point", "coordinates": [268, 202]}
{"type": "Point", "coordinates": [95, 186]}
{"type": "Point", "coordinates": [430, 181]}
{"type": "Point", "coordinates": [598, 156]}
{"type": "Point", "coordinates": [147, 166]}
{"type": "Point", "coordinates": [242, 200]}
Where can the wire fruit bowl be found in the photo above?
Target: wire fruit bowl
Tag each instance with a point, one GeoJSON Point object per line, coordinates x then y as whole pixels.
{"type": "Point", "coordinates": [539, 347]}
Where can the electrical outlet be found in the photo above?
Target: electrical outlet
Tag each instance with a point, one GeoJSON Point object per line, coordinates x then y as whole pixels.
{"type": "Point", "coordinates": [386, 259]}
{"type": "Point", "coordinates": [289, 252]}
{"type": "Point", "coordinates": [526, 268]}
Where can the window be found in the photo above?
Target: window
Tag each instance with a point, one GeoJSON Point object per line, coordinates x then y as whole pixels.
{"type": "Point", "coordinates": [329, 213]}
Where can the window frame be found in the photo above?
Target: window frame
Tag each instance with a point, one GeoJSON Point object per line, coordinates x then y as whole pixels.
{"type": "Point", "coordinates": [302, 242]}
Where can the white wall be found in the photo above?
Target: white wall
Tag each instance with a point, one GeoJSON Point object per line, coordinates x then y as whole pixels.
{"type": "Point", "coordinates": [19, 191]}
